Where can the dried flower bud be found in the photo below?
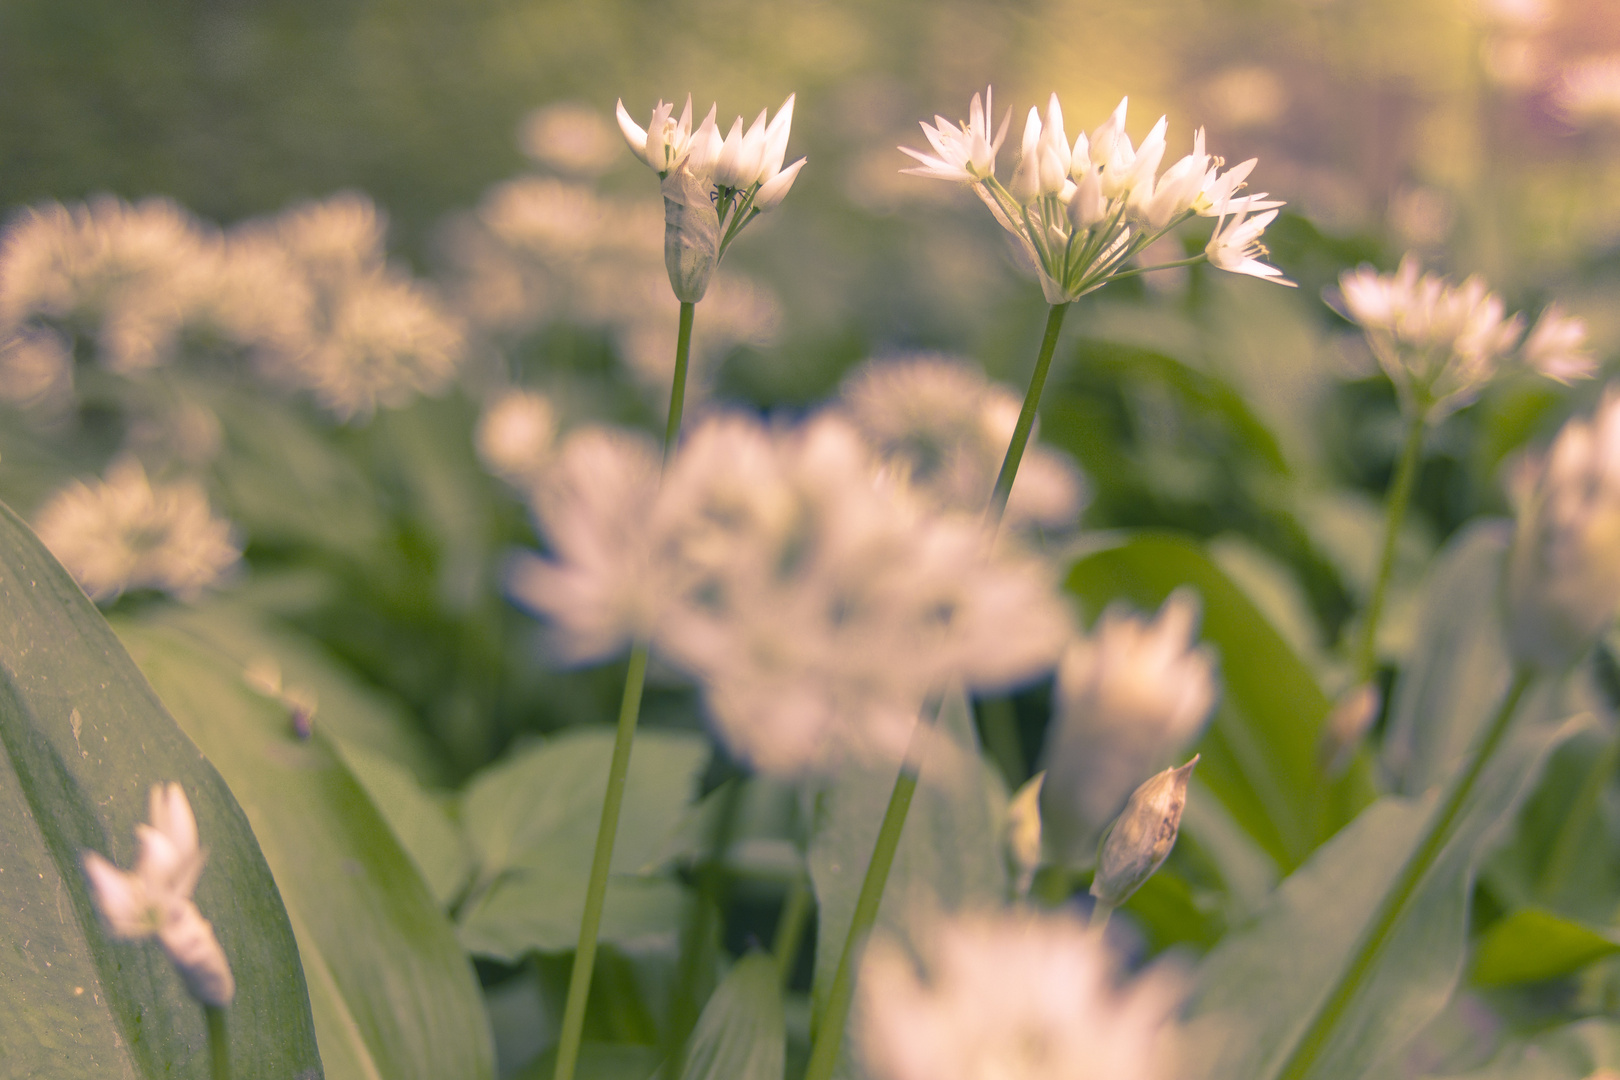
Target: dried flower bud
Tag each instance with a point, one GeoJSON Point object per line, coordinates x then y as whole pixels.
{"type": "Point", "coordinates": [1142, 836]}
{"type": "Point", "coordinates": [1023, 832]}
{"type": "Point", "coordinates": [1563, 575]}
{"type": "Point", "coordinates": [691, 235]}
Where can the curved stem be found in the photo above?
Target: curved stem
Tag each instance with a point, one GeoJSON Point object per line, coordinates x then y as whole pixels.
{"type": "Point", "coordinates": [219, 1043]}
{"type": "Point", "coordinates": [1316, 1036]}
{"type": "Point", "coordinates": [1400, 495]}
{"type": "Point", "coordinates": [829, 1034]}
{"type": "Point", "coordinates": [1026, 416]}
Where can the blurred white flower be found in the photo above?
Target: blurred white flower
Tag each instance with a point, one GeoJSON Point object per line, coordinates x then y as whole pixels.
{"type": "Point", "coordinates": [1590, 91]}
{"type": "Point", "coordinates": [1563, 579]}
{"type": "Point", "coordinates": [569, 136]}
{"type": "Point", "coordinates": [1442, 343]}
{"type": "Point", "coordinates": [126, 533]}
{"type": "Point", "coordinates": [1013, 997]}
{"type": "Point", "coordinates": [154, 899]}
{"type": "Point", "coordinates": [36, 369]}
{"type": "Point", "coordinates": [1129, 697]}
{"type": "Point", "coordinates": [1079, 213]}
{"type": "Point", "coordinates": [515, 436]}
{"type": "Point", "coordinates": [940, 426]}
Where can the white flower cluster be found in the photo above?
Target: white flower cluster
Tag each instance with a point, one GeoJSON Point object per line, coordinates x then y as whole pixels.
{"type": "Point", "coordinates": [540, 249]}
{"type": "Point", "coordinates": [816, 603]}
{"type": "Point", "coordinates": [309, 296]}
{"type": "Point", "coordinates": [125, 533]}
{"type": "Point", "coordinates": [942, 428]}
{"type": "Point", "coordinates": [1130, 697]}
{"type": "Point", "coordinates": [1014, 997]}
{"type": "Point", "coordinates": [1078, 212]}
{"type": "Point", "coordinates": [1441, 343]}
{"type": "Point", "coordinates": [154, 899]}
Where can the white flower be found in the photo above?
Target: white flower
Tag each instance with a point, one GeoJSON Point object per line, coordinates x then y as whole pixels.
{"type": "Point", "coordinates": [962, 152]}
{"type": "Point", "coordinates": [663, 145]}
{"type": "Point", "coordinates": [1235, 244]}
{"type": "Point", "coordinates": [1563, 579]}
{"type": "Point", "coordinates": [515, 436]}
{"type": "Point", "coordinates": [1013, 997]}
{"type": "Point", "coordinates": [1442, 343]}
{"type": "Point", "coordinates": [1129, 697]}
{"type": "Point", "coordinates": [154, 899]}
{"type": "Point", "coordinates": [597, 588]}
{"type": "Point", "coordinates": [124, 533]}
{"type": "Point", "coordinates": [942, 428]}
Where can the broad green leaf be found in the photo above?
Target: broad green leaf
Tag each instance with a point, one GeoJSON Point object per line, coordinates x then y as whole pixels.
{"type": "Point", "coordinates": [394, 994]}
{"type": "Point", "coordinates": [1260, 755]}
{"type": "Point", "coordinates": [1535, 944]}
{"type": "Point", "coordinates": [1353, 956]}
{"type": "Point", "coordinates": [533, 820]}
{"type": "Point", "coordinates": [1572, 1052]}
{"type": "Point", "coordinates": [950, 852]}
{"type": "Point", "coordinates": [441, 851]}
{"type": "Point", "coordinates": [82, 740]}
{"type": "Point", "coordinates": [599, 1061]}
{"type": "Point", "coordinates": [1459, 665]}
{"type": "Point", "coordinates": [742, 1034]}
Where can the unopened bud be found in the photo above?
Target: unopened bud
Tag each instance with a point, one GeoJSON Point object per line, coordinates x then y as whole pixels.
{"type": "Point", "coordinates": [1024, 832]}
{"type": "Point", "coordinates": [1142, 836]}
{"type": "Point", "coordinates": [691, 235]}
{"type": "Point", "coordinates": [1353, 714]}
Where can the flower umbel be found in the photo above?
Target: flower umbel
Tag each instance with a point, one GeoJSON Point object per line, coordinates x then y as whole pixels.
{"type": "Point", "coordinates": [154, 899]}
{"type": "Point", "coordinates": [1078, 213]}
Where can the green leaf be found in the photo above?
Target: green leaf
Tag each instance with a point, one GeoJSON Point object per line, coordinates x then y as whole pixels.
{"type": "Point", "coordinates": [742, 1034]}
{"type": "Point", "coordinates": [1459, 666]}
{"type": "Point", "coordinates": [533, 819]}
{"type": "Point", "coordinates": [1346, 964]}
{"type": "Point", "coordinates": [1260, 754]}
{"type": "Point", "coordinates": [1535, 944]}
{"type": "Point", "coordinates": [599, 1061]}
{"type": "Point", "coordinates": [950, 853]}
{"type": "Point", "coordinates": [394, 994]}
{"type": "Point", "coordinates": [441, 852]}
{"type": "Point", "coordinates": [1572, 1052]}
{"type": "Point", "coordinates": [82, 740]}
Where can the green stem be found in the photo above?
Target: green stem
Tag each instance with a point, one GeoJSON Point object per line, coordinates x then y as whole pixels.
{"type": "Point", "coordinates": [829, 1034]}
{"type": "Point", "coordinates": [687, 991]}
{"type": "Point", "coordinates": [790, 928]}
{"type": "Point", "coordinates": [579, 980]}
{"type": "Point", "coordinates": [1194, 261]}
{"type": "Point", "coordinates": [219, 1043]}
{"type": "Point", "coordinates": [677, 389]}
{"type": "Point", "coordinates": [1400, 496]}
{"type": "Point", "coordinates": [1026, 416]}
{"type": "Point", "coordinates": [1101, 912]}
{"type": "Point", "coordinates": [1316, 1036]}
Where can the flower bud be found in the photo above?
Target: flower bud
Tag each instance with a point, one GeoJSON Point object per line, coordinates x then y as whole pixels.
{"type": "Point", "coordinates": [1353, 714]}
{"type": "Point", "coordinates": [1563, 574]}
{"type": "Point", "coordinates": [1142, 837]}
{"type": "Point", "coordinates": [1023, 833]}
{"type": "Point", "coordinates": [691, 235]}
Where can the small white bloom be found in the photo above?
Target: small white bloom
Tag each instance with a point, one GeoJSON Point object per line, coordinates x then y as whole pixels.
{"type": "Point", "coordinates": [664, 143]}
{"type": "Point", "coordinates": [515, 436]}
{"type": "Point", "coordinates": [1129, 697]}
{"type": "Point", "coordinates": [125, 533]}
{"type": "Point", "coordinates": [1235, 244]}
{"type": "Point", "coordinates": [962, 152]}
{"type": "Point", "coordinates": [1013, 997]}
{"type": "Point", "coordinates": [1556, 346]}
{"type": "Point", "coordinates": [1563, 578]}
{"type": "Point", "coordinates": [154, 899]}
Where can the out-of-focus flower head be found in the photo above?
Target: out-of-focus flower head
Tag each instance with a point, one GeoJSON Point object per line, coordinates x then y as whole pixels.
{"type": "Point", "coordinates": [154, 899]}
{"type": "Point", "coordinates": [1078, 213]}
{"type": "Point", "coordinates": [1442, 343]}
{"type": "Point", "coordinates": [126, 533]}
{"type": "Point", "coordinates": [1563, 579]}
{"type": "Point", "coordinates": [939, 426]}
{"type": "Point", "coordinates": [1013, 997]}
{"type": "Point", "coordinates": [1130, 696]}
{"type": "Point", "coordinates": [816, 605]}
{"type": "Point", "coordinates": [571, 137]}
{"type": "Point", "coordinates": [515, 436]}
{"type": "Point", "coordinates": [1589, 93]}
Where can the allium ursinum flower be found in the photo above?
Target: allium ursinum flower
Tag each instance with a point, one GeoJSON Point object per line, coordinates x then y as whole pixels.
{"type": "Point", "coordinates": [36, 369]}
{"type": "Point", "coordinates": [154, 899]}
{"type": "Point", "coordinates": [1130, 696]}
{"type": "Point", "coordinates": [1078, 213]}
{"type": "Point", "coordinates": [713, 186]}
{"type": "Point", "coordinates": [942, 428]}
{"type": "Point", "coordinates": [126, 533]}
{"type": "Point", "coordinates": [1563, 578]}
{"type": "Point", "coordinates": [1016, 996]}
{"type": "Point", "coordinates": [515, 436]}
{"type": "Point", "coordinates": [1441, 343]}
{"type": "Point", "coordinates": [819, 606]}
{"type": "Point", "coordinates": [130, 278]}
